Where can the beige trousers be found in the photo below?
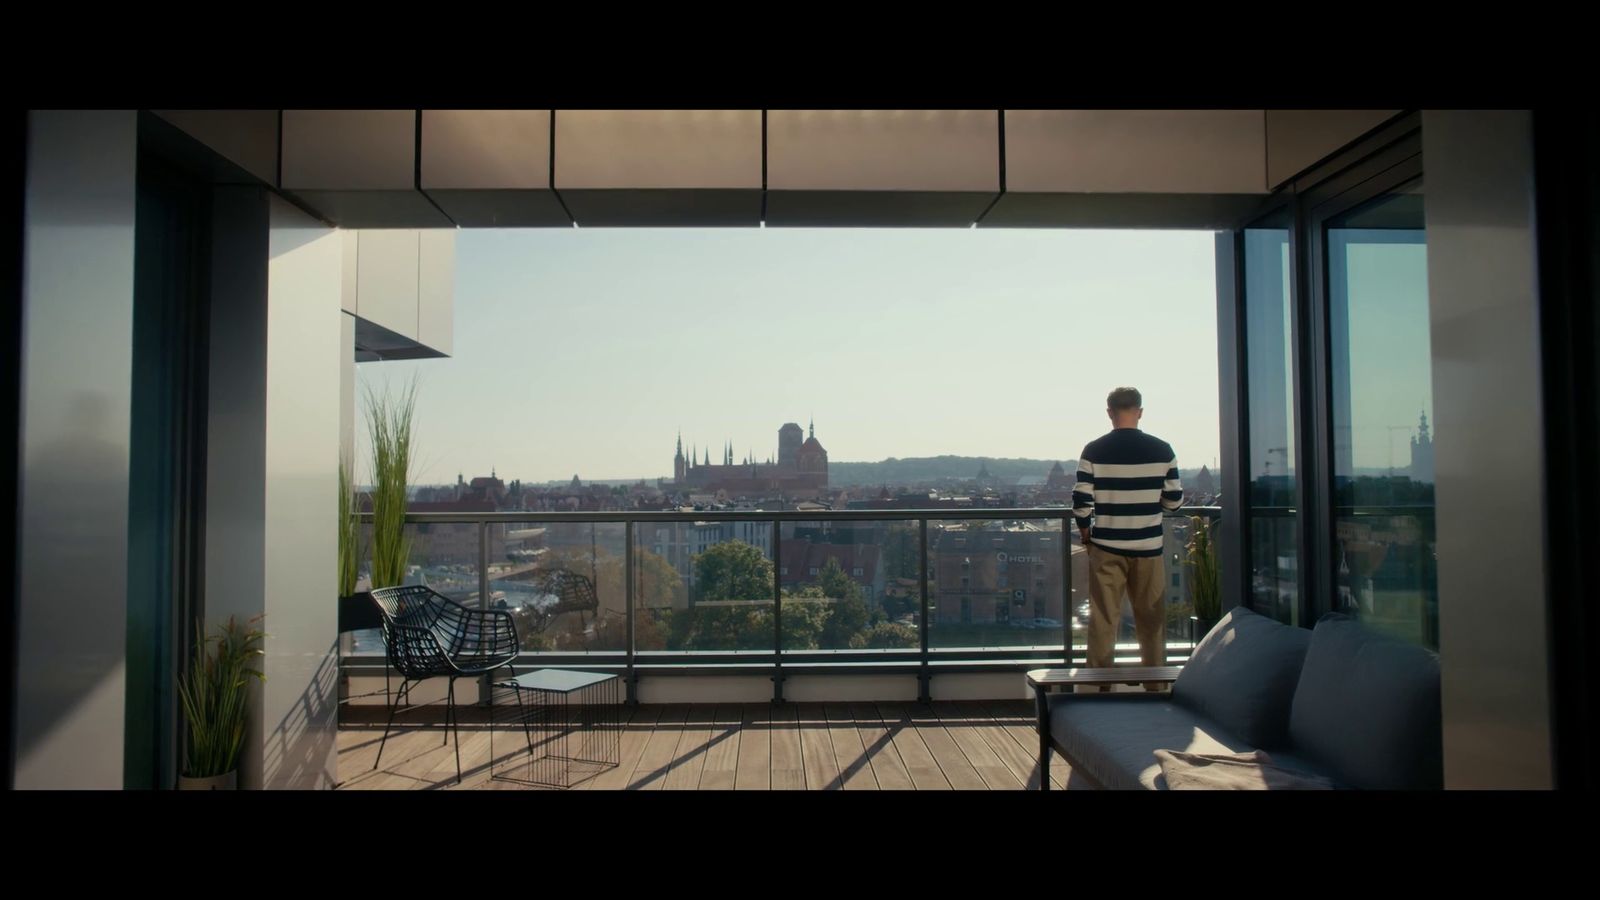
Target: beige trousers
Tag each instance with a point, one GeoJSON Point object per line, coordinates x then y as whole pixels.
{"type": "Point", "coordinates": [1140, 578]}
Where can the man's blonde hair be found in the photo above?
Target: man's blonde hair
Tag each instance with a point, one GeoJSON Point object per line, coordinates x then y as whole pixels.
{"type": "Point", "coordinates": [1124, 398]}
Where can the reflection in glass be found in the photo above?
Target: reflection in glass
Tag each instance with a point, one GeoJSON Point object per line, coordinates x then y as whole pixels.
{"type": "Point", "coordinates": [1269, 367]}
{"type": "Point", "coordinates": [704, 587]}
{"type": "Point", "coordinates": [1382, 390]}
{"type": "Point", "coordinates": [850, 585]}
{"type": "Point", "coordinates": [997, 583]}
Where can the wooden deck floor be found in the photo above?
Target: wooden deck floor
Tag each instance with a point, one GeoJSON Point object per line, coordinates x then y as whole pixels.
{"type": "Point", "coordinates": [797, 746]}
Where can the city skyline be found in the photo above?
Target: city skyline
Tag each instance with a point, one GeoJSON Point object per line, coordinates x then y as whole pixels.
{"type": "Point", "coordinates": [586, 351]}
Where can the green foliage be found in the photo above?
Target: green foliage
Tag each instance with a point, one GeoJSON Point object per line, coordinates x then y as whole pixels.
{"type": "Point", "coordinates": [805, 618]}
{"type": "Point", "coordinates": [832, 613]}
{"type": "Point", "coordinates": [895, 607]}
{"type": "Point", "coordinates": [733, 570]}
{"type": "Point", "coordinates": [1205, 588]}
{"type": "Point", "coordinates": [885, 636]}
{"type": "Point", "coordinates": [847, 615]}
{"type": "Point", "coordinates": [902, 551]}
{"type": "Point", "coordinates": [836, 584]}
{"type": "Point", "coordinates": [214, 693]}
{"type": "Point", "coordinates": [389, 425]}
{"type": "Point", "coordinates": [348, 530]}
{"type": "Point", "coordinates": [611, 632]}
{"type": "Point", "coordinates": [720, 627]}
{"type": "Point", "coordinates": [658, 585]}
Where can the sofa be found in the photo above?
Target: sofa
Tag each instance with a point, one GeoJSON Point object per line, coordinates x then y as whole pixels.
{"type": "Point", "coordinates": [1340, 703]}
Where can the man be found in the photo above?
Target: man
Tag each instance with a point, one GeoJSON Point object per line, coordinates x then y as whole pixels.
{"type": "Point", "coordinates": [1125, 479]}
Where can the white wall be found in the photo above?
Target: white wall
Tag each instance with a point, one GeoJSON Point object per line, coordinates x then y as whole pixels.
{"type": "Point", "coordinates": [387, 262]}
{"type": "Point", "coordinates": [72, 546]}
{"type": "Point", "coordinates": [274, 432]}
{"type": "Point", "coordinates": [402, 280]}
{"type": "Point", "coordinates": [304, 330]}
{"type": "Point", "coordinates": [1489, 452]}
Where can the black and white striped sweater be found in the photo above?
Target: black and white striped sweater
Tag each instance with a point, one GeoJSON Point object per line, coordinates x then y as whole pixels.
{"type": "Point", "coordinates": [1125, 480]}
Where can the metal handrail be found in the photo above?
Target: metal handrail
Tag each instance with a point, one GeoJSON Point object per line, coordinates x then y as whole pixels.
{"type": "Point", "coordinates": [771, 515]}
{"type": "Point", "coordinates": [923, 659]}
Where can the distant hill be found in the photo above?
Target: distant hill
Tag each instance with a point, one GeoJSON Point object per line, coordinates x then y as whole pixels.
{"type": "Point", "coordinates": [938, 468]}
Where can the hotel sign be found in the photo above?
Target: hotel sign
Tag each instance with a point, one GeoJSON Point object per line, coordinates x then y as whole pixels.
{"type": "Point", "coordinates": [1017, 558]}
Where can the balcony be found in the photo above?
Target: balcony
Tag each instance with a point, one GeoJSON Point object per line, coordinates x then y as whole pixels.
{"type": "Point", "coordinates": [962, 745]}
{"type": "Point", "coordinates": [177, 420]}
{"type": "Point", "coordinates": [856, 648]}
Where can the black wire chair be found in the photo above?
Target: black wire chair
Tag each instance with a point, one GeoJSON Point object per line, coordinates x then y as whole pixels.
{"type": "Point", "coordinates": [573, 593]}
{"type": "Point", "coordinates": [428, 635]}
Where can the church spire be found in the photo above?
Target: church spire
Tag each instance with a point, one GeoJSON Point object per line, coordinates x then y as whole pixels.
{"type": "Point", "coordinates": [812, 428]}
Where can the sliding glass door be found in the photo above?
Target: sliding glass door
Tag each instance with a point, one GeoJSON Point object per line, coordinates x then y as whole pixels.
{"type": "Point", "coordinates": [1269, 360]}
{"type": "Point", "coordinates": [1381, 386]}
{"type": "Point", "coordinates": [1334, 360]}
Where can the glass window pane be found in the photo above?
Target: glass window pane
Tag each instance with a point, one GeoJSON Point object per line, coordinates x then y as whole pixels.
{"type": "Point", "coordinates": [860, 590]}
{"type": "Point", "coordinates": [710, 592]}
{"type": "Point", "coordinates": [1382, 391]}
{"type": "Point", "coordinates": [1269, 367]}
{"type": "Point", "coordinates": [997, 583]}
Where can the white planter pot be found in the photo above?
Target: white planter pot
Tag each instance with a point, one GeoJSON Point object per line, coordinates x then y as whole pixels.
{"type": "Point", "coordinates": [227, 782]}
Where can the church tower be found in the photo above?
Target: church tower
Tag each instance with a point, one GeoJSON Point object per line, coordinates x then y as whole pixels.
{"type": "Point", "coordinates": [1422, 452]}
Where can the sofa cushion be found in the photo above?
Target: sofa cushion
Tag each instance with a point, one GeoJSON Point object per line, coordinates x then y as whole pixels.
{"type": "Point", "coordinates": [1367, 708]}
{"type": "Point", "coordinates": [1242, 676]}
{"type": "Point", "coordinates": [1113, 738]}
{"type": "Point", "coordinates": [1289, 759]}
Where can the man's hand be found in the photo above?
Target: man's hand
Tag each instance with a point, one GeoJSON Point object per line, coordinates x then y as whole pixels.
{"type": "Point", "coordinates": [1084, 534]}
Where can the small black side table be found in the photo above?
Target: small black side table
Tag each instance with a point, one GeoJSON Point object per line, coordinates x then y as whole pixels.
{"type": "Point", "coordinates": [565, 726]}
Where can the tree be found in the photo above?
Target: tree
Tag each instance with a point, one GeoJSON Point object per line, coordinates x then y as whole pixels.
{"type": "Point", "coordinates": [657, 582]}
{"type": "Point", "coordinates": [658, 585]}
{"type": "Point", "coordinates": [732, 570]}
{"type": "Point", "coordinates": [885, 636]}
{"type": "Point", "coordinates": [805, 614]}
{"type": "Point", "coordinates": [902, 551]}
{"type": "Point", "coordinates": [836, 584]}
{"type": "Point", "coordinates": [847, 615]}
{"type": "Point", "coordinates": [611, 633]}
{"type": "Point", "coordinates": [742, 627]}
{"type": "Point", "coordinates": [896, 606]}
{"type": "Point", "coordinates": [531, 625]}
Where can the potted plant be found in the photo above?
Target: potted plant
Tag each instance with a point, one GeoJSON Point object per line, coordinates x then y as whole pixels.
{"type": "Point", "coordinates": [1205, 588]}
{"type": "Point", "coordinates": [215, 696]}
{"type": "Point", "coordinates": [355, 607]}
{"type": "Point", "coordinates": [389, 427]}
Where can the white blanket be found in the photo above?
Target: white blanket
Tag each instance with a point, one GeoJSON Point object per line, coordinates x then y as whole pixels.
{"type": "Point", "coordinates": [1253, 771]}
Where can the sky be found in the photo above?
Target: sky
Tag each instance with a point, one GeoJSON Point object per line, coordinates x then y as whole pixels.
{"type": "Point", "coordinates": [585, 351]}
{"type": "Point", "coordinates": [1385, 365]}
